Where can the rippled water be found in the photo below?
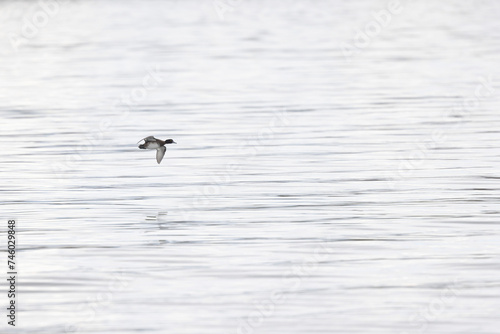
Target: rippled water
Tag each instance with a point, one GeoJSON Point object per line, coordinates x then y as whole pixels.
{"type": "Point", "coordinates": [337, 166]}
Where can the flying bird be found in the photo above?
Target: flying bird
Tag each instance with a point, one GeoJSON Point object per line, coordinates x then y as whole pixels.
{"type": "Point", "coordinates": [151, 143]}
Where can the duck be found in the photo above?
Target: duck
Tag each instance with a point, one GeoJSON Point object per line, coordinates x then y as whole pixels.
{"type": "Point", "coordinates": [152, 143]}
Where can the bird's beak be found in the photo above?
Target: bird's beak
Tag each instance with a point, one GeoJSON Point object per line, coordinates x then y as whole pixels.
{"type": "Point", "coordinates": [175, 142]}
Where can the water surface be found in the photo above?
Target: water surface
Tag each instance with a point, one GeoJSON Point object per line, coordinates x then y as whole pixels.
{"type": "Point", "coordinates": [311, 191]}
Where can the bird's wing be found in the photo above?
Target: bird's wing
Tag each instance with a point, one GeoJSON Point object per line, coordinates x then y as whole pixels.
{"type": "Point", "coordinates": [148, 138]}
{"type": "Point", "coordinates": [160, 152]}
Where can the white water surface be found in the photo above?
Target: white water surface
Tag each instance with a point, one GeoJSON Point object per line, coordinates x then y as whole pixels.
{"type": "Point", "coordinates": [316, 187]}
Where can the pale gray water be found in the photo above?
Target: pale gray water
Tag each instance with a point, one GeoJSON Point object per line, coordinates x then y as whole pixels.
{"type": "Point", "coordinates": [309, 192]}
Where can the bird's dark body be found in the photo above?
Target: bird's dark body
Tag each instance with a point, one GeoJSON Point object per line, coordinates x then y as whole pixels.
{"type": "Point", "coordinates": [151, 143]}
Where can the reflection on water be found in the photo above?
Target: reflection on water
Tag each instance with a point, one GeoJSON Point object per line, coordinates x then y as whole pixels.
{"type": "Point", "coordinates": [310, 191]}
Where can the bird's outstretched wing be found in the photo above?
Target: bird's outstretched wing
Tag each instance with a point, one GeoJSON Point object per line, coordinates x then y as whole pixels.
{"type": "Point", "coordinates": [160, 152]}
{"type": "Point", "coordinates": [148, 138]}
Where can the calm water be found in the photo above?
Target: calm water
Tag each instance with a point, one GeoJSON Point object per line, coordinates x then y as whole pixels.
{"type": "Point", "coordinates": [337, 166]}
